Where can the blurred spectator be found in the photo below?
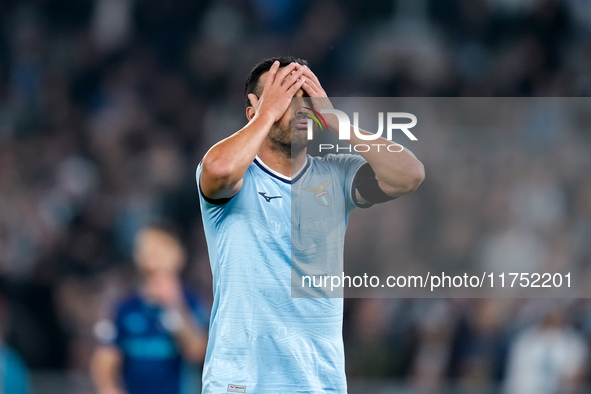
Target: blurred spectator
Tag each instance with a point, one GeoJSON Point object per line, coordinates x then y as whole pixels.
{"type": "Point", "coordinates": [143, 349]}
{"type": "Point", "coordinates": [549, 357]}
{"type": "Point", "coordinates": [480, 345]}
{"type": "Point", "coordinates": [434, 346]}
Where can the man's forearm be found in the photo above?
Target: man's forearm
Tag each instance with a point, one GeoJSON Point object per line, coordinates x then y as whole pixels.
{"type": "Point", "coordinates": [397, 169]}
{"type": "Point", "coordinates": [105, 368]}
{"type": "Point", "coordinates": [226, 162]}
{"type": "Point", "coordinates": [192, 341]}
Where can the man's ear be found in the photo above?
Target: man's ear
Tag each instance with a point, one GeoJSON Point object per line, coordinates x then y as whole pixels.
{"type": "Point", "coordinates": [250, 112]}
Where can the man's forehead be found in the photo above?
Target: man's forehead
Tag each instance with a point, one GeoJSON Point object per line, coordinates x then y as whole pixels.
{"type": "Point", "coordinates": [263, 77]}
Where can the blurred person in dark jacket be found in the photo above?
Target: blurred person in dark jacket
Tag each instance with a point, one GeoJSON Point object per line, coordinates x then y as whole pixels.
{"type": "Point", "coordinates": [157, 333]}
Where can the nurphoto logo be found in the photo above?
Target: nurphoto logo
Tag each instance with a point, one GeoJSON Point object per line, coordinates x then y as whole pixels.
{"type": "Point", "coordinates": [392, 119]}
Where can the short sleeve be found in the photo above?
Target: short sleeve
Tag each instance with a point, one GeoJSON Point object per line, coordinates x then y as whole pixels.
{"type": "Point", "coordinates": [202, 197]}
{"type": "Point", "coordinates": [347, 166]}
{"type": "Point", "coordinates": [107, 332]}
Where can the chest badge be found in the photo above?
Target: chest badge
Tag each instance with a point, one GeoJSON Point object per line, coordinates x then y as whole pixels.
{"type": "Point", "coordinates": [321, 194]}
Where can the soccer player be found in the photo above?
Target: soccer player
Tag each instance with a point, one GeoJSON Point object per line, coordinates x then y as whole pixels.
{"type": "Point", "coordinates": [156, 331]}
{"type": "Point", "coordinates": [261, 340]}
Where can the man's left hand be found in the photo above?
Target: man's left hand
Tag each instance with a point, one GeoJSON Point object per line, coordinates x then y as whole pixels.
{"type": "Point", "coordinates": [319, 97]}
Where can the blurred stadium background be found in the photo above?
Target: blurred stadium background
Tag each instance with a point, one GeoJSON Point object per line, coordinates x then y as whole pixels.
{"type": "Point", "coordinates": [107, 106]}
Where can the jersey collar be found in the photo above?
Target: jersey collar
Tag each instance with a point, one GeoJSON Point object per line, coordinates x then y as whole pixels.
{"type": "Point", "coordinates": [281, 177]}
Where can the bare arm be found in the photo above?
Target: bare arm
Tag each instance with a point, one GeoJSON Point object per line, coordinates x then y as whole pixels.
{"type": "Point", "coordinates": [192, 340]}
{"type": "Point", "coordinates": [397, 173]}
{"type": "Point", "coordinates": [167, 291]}
{"type": "Point", "coordinates": [105, 368]}
{"type": "Point", "coordinates": [226, 162]}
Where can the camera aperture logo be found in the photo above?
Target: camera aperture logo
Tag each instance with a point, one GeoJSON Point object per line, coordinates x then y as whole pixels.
{"type": "Point", "coordinates": [345, 130]}
{"type": "Point", "coordinates": [315, 115]}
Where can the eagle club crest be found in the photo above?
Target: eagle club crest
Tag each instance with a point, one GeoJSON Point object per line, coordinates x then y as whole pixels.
{"type": "Point", "coordinates": [321, 194]}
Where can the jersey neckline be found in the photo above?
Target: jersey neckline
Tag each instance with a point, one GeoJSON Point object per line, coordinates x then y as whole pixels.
{"type": "Point", "coordinates": [281, 177]}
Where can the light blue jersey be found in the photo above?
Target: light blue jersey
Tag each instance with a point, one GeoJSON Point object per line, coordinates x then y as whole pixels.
{"type": "Point", "coordinates": [260, 339]}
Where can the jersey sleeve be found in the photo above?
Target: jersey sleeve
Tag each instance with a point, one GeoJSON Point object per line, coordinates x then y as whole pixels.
{"type": "Point", "coordinates": [203, 197]}
{"type": "Point", "coordinates": [347, 166]}
{"type": "Point", "coordinates": [215, 211]}
{"type": "Point", "coordinates": [107, 332]}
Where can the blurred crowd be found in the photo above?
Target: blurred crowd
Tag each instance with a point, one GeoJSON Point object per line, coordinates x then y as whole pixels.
{"type": "Point", "coordinates": [107, 107]}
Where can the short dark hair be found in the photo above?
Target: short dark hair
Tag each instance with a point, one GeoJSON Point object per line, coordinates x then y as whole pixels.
{"type": "Point", "coordinates": [252, 82]}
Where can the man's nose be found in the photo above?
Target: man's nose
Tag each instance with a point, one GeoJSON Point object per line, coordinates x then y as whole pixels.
{"type": "Point", "coordinates": [300, 93]}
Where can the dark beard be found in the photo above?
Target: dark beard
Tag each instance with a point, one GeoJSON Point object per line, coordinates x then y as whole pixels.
{"type": "Point", "coordinates": [284, 144]}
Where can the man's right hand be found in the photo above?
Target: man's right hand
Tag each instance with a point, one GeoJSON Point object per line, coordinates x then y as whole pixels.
{"type": "Point", "coordinates": [280, 87]}
{"type": "Point", "coordinates": [226, 162]}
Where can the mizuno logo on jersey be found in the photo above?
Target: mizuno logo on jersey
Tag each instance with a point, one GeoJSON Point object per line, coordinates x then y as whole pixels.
{"type": "Point", "coordinates": [321, 194]}
{"type": "Point", "coordinates": [268, 198]}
